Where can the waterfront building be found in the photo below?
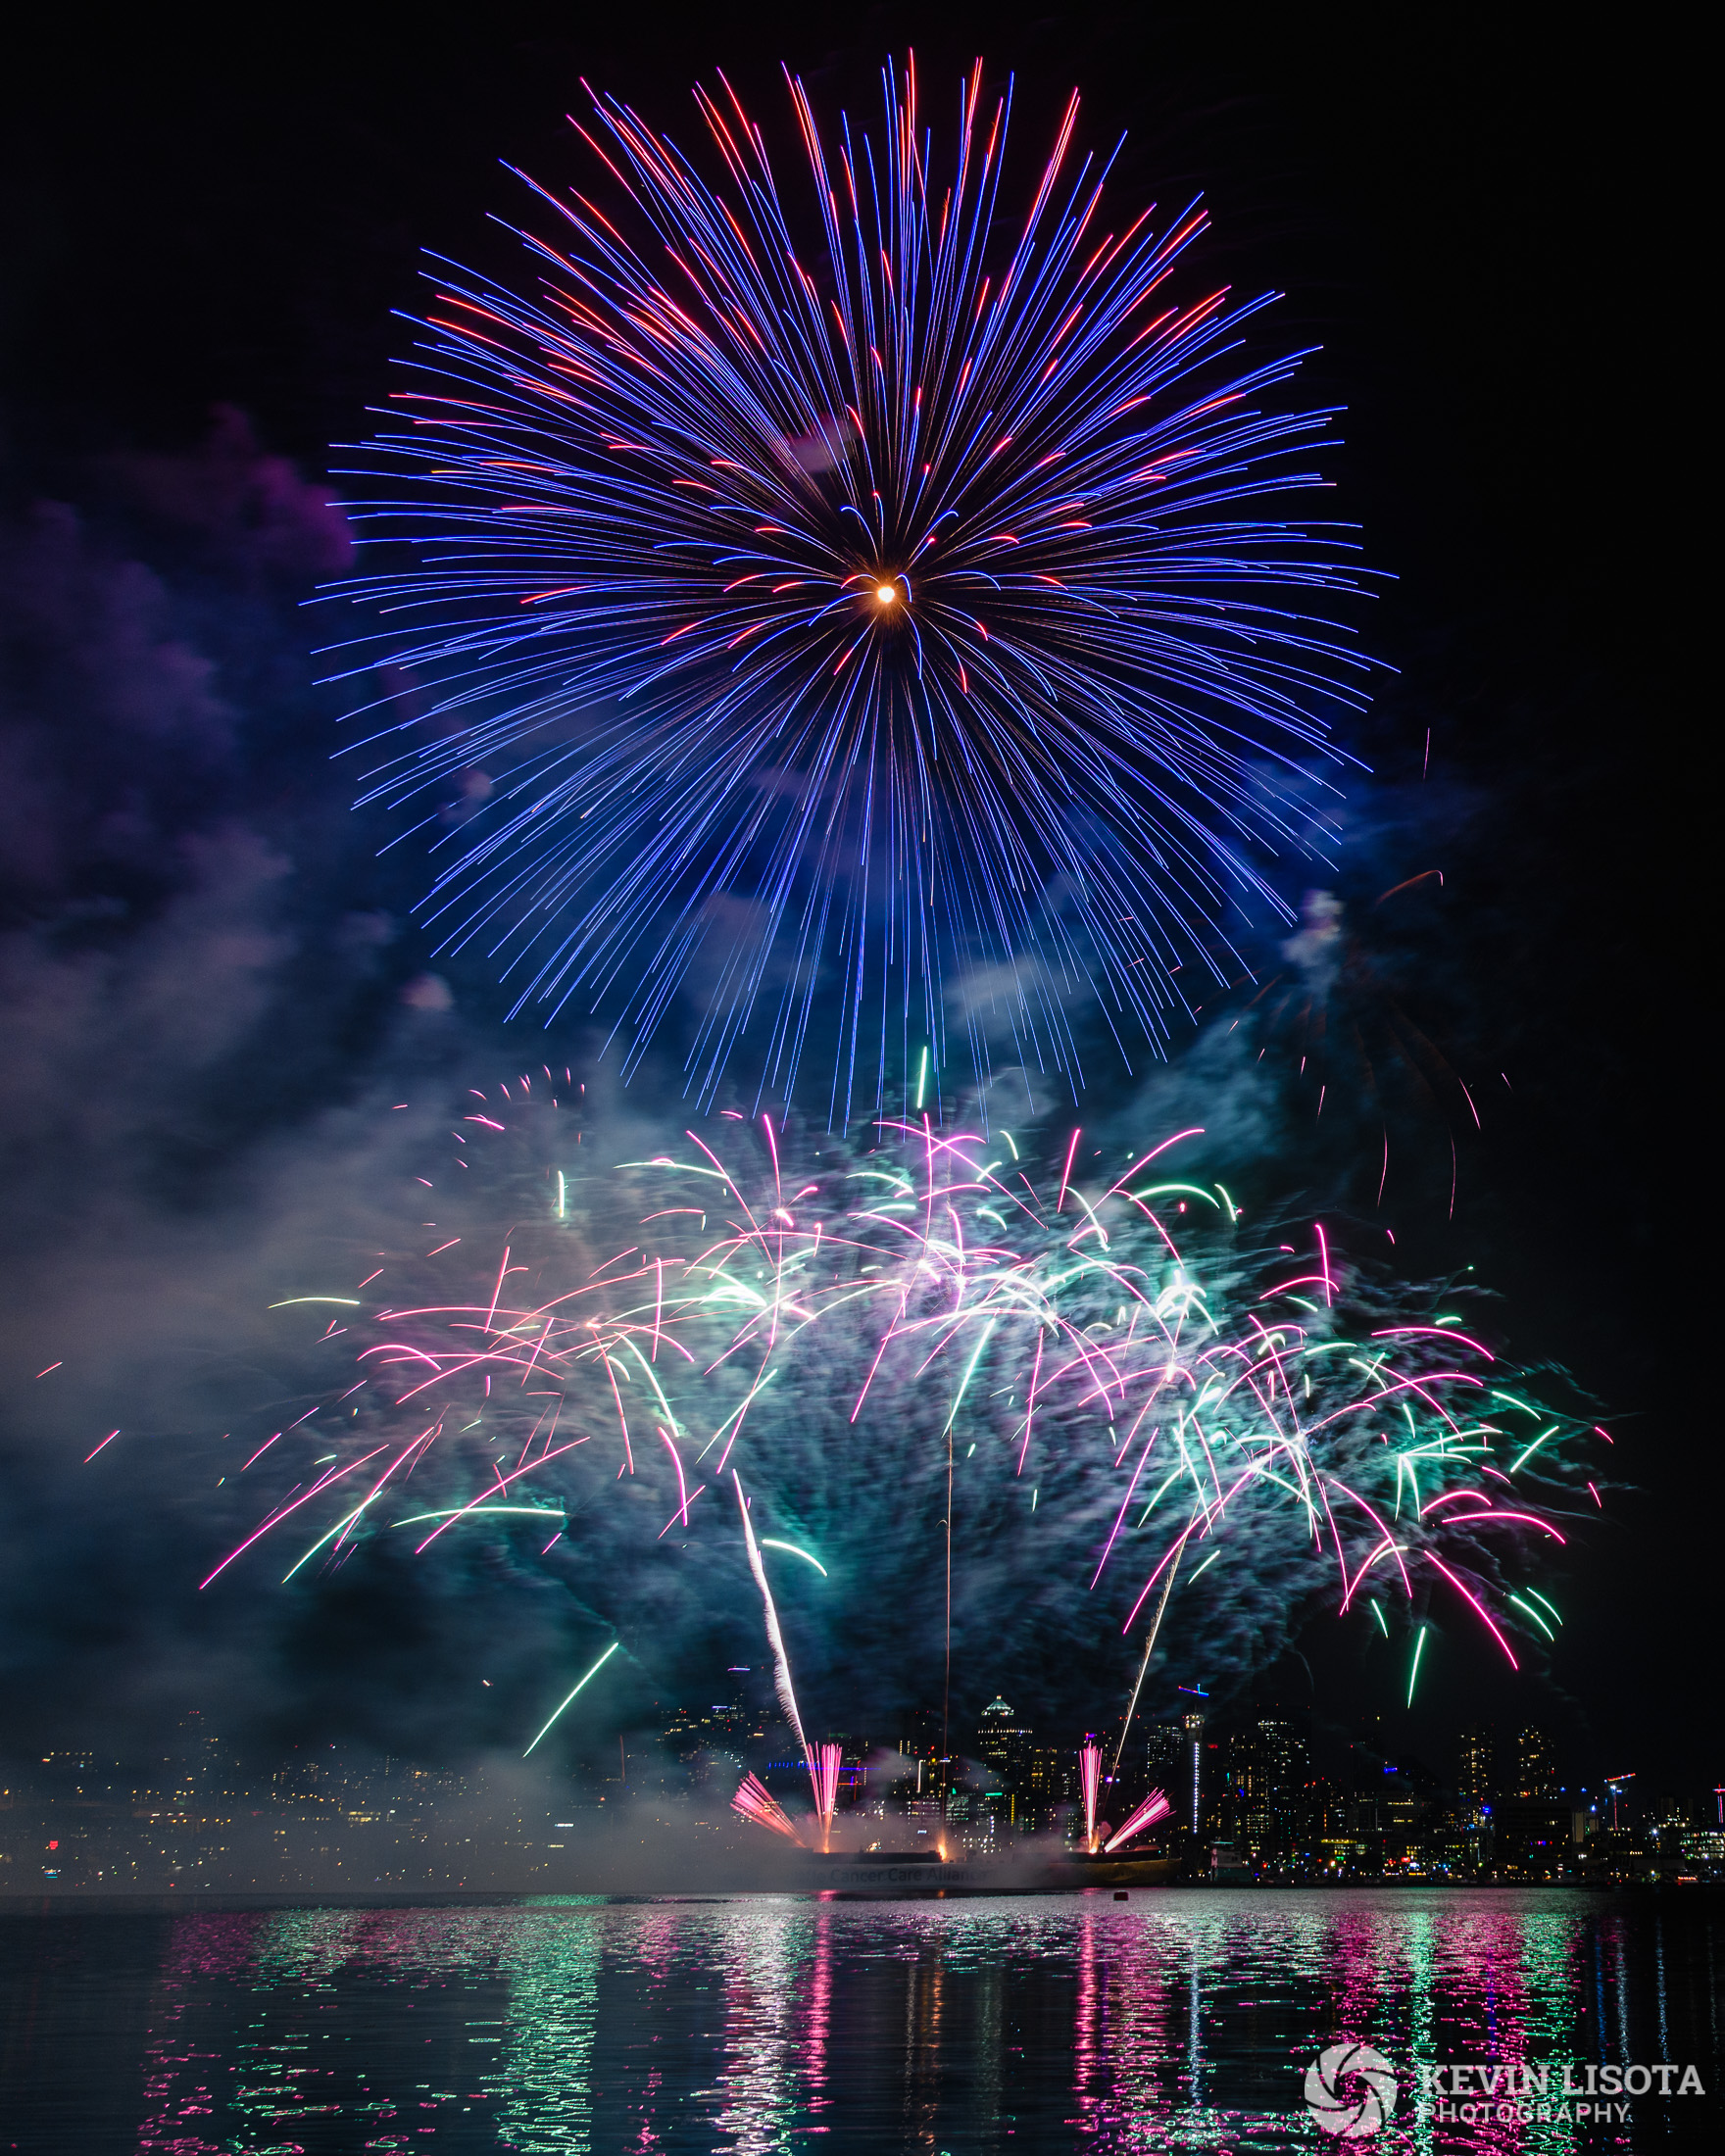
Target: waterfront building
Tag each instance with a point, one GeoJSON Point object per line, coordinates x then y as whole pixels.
{"type": "Point", "coordinates": [1475, 1779]}
{"type": "Point", "coordinates": [1536, 1766]}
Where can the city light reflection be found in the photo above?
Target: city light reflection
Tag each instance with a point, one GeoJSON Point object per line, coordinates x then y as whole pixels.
{"type": "Point", "coordinates": [1182, 2021]}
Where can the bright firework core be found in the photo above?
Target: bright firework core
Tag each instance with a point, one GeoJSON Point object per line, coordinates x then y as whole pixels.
{"type": "Point", "coordinates": [625, 504]}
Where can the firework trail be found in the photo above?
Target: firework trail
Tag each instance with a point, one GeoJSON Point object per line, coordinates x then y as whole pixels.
{"type": "Point", "coordinates": [1154, 1806]}
{"type": "Point", "coordinates": [1154, 1424]}
{"type": "Point", "coordinates": [781, 1665]}
{"type": "Point", "coordinates": [755, 1802]}
{"type": "Point", "coordinates": [572, 1697]}
{"type": "Point", "coordinates": [865, 590]}
{"type": "Point", "coordinates": [1150, 1640]}
{"type": "Point", "coordinates": [1089, 1780]}
{"type": "Point", "coordinates": [826, 1797]}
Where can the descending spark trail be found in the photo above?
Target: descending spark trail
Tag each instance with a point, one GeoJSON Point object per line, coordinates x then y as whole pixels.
{"type": "Point", "coordinates": [1418, 1650]}
{"type": "Point", "coordinates": [574, 1695]}
{"type": "Point", "coordinates": [781, 1664]}
{"type": "Point", "coordinates": [865, 592]}
{"type": "Point", "coordinates": [1125, 1406]}
{"type": "Point", "coordinates": [768, 1541]}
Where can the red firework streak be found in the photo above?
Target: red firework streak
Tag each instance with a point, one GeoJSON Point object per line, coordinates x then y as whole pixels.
{"type": "Point", "coordinates": [755, 1801]}
{"type": "Point", "coordinates": [1090, 1772]}
{"type": "Point", "coordinates": [827, 1790]}
{"type": "Point", "coordinates": [1154, 1806]}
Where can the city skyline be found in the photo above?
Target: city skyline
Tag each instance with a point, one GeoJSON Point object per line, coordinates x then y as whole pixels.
{"type": "Point", "coordinates": [1247, 1805]}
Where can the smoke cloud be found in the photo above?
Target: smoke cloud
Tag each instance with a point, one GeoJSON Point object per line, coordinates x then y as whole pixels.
{"type": "Point", "coordinates": [230, 1079]}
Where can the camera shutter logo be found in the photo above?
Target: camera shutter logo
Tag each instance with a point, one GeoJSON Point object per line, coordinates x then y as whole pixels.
{"type": "Point", "coordinates": [1362, 2107]}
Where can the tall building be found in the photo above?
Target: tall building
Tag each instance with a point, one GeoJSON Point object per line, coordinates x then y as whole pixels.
{"type": "Point", "coordinates": [1474, 1776]}
{"type": "Point", "coordinates": [1270, 1766]}
{"type": "Point", "coordinates": [1007, 1748]}
{"type": "Point", "coordinates": [1535, 1765]}
{"type": "Point", "coordinates": [1050, 1777]}
{"type": "Point", "coordinates": [1192, 1792]}
{"type": "Point", "coordinates": [1004, 1745]}
{"type": "Point", "coordinates": [1164, 1755]}
{"type": "Point", "coordinates": [1286, 1753]}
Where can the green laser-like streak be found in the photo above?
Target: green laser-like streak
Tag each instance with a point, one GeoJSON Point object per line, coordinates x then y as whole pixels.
{"type": "Point", "coordinates": [647, 1372]}
{"type": "Point", "coordinates": [1418, 1650]}
{"type": "Point", "coordinates": [1533, 1616]}
{"type": "Point", "coordinates": [587, 1680]}
{"type": "Point", "coordinates": [767, 1543]}
{"type": "Point", "coordinates": [970, 1371]}
{"type": "Point", "coordinates": [1515, 1466]}
{"type": "Point", "coordinates": [683, 1167]}
{"type": "Point", "coordinates": [322, 1539]}
{"type": "Point", "coordinates": [534, 1511]}
{"type": "Point", "coordinates": [754, 1392]}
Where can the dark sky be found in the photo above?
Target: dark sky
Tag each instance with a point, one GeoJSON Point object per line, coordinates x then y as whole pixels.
{"type": "Point", "coordinates": [203, 958]}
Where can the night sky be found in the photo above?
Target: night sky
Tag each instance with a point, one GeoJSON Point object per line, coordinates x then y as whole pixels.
{"type": "Point", "coordinates": [211, 978]}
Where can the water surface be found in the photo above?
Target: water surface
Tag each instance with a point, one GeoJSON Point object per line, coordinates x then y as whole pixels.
{"type": "Point", "coordinates": [1177, 2020]}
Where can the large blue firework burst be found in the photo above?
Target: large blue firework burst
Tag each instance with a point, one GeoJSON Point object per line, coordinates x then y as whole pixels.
{"type": "Point", "coordinates": [860, 612]}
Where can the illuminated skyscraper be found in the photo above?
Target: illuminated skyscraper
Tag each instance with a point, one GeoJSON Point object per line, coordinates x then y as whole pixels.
{"type": "Point", "coordinates": [1535, 1765]}
{"type": "Point", "coordinates": [1004, 1745]}
{"type": "Point", "coordinates": [1271, 1761]}
{"type": "Point", "coordinates": [1004, 1748]}
{"type": "Point", "coordinates": [1192, 1730]}
{"type": "Point", "coordinates": [1165, 1757]}
{"type": "Point", "coordinates": [1049, 1780]}
{"type": "Point", "coordinates": [1474, 1779]}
